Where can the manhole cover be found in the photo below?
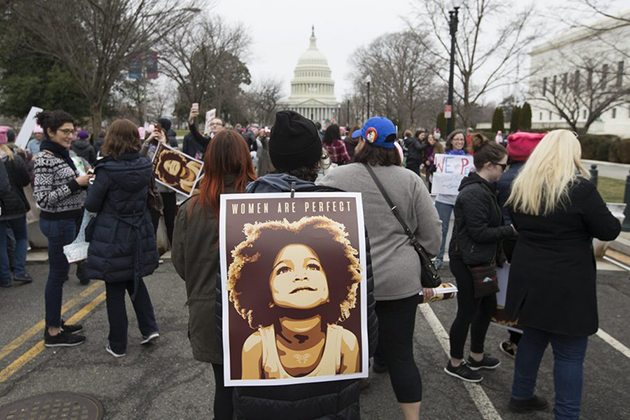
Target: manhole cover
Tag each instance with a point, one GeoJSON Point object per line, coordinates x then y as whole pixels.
{"type": "Point", "coordinates": [56, 405]}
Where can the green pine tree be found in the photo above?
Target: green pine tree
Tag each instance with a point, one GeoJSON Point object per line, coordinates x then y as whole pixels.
{"type": "Point", "coordinates": [515, 118]}
{"type": "Point", "coordinates": [498, 122]}
{"type": "Point", "coordinates": [525, 117]}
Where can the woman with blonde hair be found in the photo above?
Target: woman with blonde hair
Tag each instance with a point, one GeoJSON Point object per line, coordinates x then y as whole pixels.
{"type": "Point", "coordinates": [552, 289]}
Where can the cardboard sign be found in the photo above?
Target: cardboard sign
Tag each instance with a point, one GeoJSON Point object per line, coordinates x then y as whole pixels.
{"type": "Point", "coordinates": [176, 170]}
{"type": "Point", "coordinates": [500, 318]}
{"type": "Point", "coordinates": [294, 281]}
{"type": "Point", "coordinates": [451, 169]}
{"type": "Point", "coordinates": [210, 115]}
{"type": "Point", "coordinates": [27, 128]}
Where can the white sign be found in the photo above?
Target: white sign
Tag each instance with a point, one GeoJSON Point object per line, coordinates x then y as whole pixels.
{"type": "Point", "coordinates": [450, 170]}
{"type": "Point", "coordinates": [27, 128]}
{"type": "Point", "coordinates": [210, 115]}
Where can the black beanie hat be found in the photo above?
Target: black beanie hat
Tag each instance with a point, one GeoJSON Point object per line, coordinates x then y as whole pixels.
{"type": "Point", "coordinates": [294, 142]}
{"type": "Point", "coordinates": [165, 123]}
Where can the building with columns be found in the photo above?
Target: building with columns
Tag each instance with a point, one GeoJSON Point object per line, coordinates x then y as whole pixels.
{"type": "Point", "coordinates": [312, 87]}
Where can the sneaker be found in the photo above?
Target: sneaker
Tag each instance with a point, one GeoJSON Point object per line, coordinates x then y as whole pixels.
{"type": "Point", "coordinates": [488, 362]}
{"type": "Point", "coordinates": [24, 278]}
{"type": "Point", "coordinates": [63, 339]}
{"type": "Point", "coordinates": [113, 353]}
{"type": "Point", "coordinates": [463, 372]}
{"type": "Point", "coordinates": [71, 328]}
{"type": "Point", "coordinates": [534, 403]}
{"type": "Point", "coordinates": [146, 339]}
{"type": "Point", "coordinates": [508, 348]}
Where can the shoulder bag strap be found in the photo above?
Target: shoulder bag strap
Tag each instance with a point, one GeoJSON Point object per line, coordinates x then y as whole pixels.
{"type": "Point", "coordinates": [394, 210]}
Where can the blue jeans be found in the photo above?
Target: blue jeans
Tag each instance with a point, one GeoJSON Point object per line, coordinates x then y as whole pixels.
{"type": "Point", "coordinates": [568, 370]}
{"type": "Point", "coordinates": [59, 233]}
{"type": "Point", "coordinates": [117, 313]}
{"type": "Point", "coordinates": [444, 213]}
{"type": "Point", "coordinates": [19, 257]}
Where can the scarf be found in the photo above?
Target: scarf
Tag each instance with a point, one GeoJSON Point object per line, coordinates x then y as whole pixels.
{"type": "Point", "coordinates": [58, 150]}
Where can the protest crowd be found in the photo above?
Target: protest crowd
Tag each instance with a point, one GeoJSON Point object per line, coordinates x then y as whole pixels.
{"type": "Point", "coordinates": [128, 194]}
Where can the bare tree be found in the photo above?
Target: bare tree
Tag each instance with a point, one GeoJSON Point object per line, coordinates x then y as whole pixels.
{"type": "Point", "coordinates": [401, 79]}
{"type": "Point", "coordinates": [586, 83]}
{"type": "Point", "coordinates": [262, 100]}
{"type": "Point", "coordinates": [205, 59]}
{"type": "Point", "coordinates": [97, 39]}
{"type": "Point", "coordinates": [492, 38]}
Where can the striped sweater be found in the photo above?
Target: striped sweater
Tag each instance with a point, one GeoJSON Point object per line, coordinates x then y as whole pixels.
{"type": "Point", "coordinates": [56, 190]}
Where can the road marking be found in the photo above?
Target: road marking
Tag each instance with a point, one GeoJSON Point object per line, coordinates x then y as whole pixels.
{"type": "Point", "coordinates": [478, 395]}
{"type": "Point", "coordinates": [39, 347]}
{"type": "Point", "coordinates": [39, 327]}
{"type": "Point", "coordinates": [613, 342]}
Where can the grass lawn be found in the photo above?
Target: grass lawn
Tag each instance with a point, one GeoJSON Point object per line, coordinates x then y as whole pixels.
{"type": "Point", "coordinates": [611, 189]}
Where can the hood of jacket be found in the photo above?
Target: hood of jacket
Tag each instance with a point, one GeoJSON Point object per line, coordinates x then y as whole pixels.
{"type": "Point", "coordinates": [474, 178]}
{"type": "Point", "coordinates": [81, 144]}
{"type": "Point", "coordinates": [278, 183]}
{"type": "Point", "coordinates": [130, 171]}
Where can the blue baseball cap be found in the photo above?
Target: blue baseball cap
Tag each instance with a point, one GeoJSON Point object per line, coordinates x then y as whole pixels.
{"type": "Point", "coordinates": [377, 131]}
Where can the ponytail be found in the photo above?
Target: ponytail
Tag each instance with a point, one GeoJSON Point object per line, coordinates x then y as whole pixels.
{"type": "Point", "coordinates": [485, 151]}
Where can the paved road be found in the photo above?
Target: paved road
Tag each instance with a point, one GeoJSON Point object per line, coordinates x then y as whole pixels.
{"type": "Point", "coordinates": [163, 381]}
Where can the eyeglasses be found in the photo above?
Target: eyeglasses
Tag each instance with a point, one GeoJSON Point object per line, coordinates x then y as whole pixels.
{"type": "Point", "coordinates": [67, 131]}
{"type": "Point", "coordinates": [216, 125]}
{"type": "Point", "coordinates": [502, 165]}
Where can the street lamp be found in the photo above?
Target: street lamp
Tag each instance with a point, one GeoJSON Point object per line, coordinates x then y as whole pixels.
{"type": "Point", "coordinates": [368, 80]}
{"type": "Point", "coordinates": [452, 23]}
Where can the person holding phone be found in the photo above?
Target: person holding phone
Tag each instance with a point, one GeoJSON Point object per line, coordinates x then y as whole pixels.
{"type": "Point", "coordinates": [59, 192]}
{"type": "Point", "coordinates": [216, 125]}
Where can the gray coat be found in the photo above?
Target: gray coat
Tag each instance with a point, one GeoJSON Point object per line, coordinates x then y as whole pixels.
{"type": "Point", "coordinates": [396, 264]}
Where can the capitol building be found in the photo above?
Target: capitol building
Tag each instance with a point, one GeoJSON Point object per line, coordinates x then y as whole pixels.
{"type": "Point", "coordinates": [312, 87]}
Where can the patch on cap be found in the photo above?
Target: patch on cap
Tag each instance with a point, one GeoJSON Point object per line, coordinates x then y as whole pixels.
{"type": "Point", "coordinates": [371, 135]}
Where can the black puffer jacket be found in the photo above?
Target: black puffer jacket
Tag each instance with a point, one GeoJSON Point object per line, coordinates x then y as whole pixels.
{"type": "Point", "coordinates": [84, 149]}
{"type": "Point", "coordinates": [122, 241]}
{"type": "Point", "coordinates": [479, 227]}
{"type": "Point", "coordinates": [324, 400]}
{"type": "Point", "coordinates": [14, 202]}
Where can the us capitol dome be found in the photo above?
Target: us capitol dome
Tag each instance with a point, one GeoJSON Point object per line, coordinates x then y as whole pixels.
{"type": "Point", "coordinates": [312, 87]}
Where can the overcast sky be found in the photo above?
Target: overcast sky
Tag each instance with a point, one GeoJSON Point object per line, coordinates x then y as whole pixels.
{"type": "Point", "coordinates": [280, 30]}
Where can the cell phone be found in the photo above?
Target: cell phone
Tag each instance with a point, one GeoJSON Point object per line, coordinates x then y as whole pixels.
{"type": "Point", "coordinates": [158, 127]}
{"type": "Point", "coordinates": [195, 106]}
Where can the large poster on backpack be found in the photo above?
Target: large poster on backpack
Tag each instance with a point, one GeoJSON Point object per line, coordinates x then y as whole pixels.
{"type": "Point", "coordinates": [293, 275]}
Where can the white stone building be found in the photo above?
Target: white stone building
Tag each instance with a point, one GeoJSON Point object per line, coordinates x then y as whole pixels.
{"type": "Point", "coordinates": [585, 63]}
{"type": "Point", "coordinates": [312, 87]}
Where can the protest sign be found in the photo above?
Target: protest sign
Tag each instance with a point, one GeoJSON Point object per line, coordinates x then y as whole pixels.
{"type": "Point", "coordinates": [450, 170]}
{"type": "Point", "coordinates": [176, 170]}
{"type": "Point", "coordinates": [210, 115]}
{"type": "Point", "coordinates": [294, 280]}
{"type": "Point", "coordinates": [500, 318]}
{"type": "Point", "coordinates": [27, 128]}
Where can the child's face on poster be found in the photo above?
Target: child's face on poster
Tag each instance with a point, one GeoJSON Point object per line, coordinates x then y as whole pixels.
{"type": "Point", "coordinates": [297, 280]}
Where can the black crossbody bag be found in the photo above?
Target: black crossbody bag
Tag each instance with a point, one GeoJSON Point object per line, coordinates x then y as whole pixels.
{"type": "Point", "coordinates": [429, 275]}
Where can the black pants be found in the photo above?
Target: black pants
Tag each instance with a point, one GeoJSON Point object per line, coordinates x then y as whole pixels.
{"type": "Point", "coordinates": [396, 323]}
{"type": "Point", "coordinates": [471, 312]}
{"type": "Point", "coordinates": [223, 406]}
{"type": "Point", "coordinates": [170, 211]}
{"type": "Point", "coordinates": [117, 313]}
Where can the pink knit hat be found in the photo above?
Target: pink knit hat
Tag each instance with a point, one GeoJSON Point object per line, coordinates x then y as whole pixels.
{"type": "Point", "coordinates": [4, 130]}
{"type": "Point", "coordinates": [522, 144]}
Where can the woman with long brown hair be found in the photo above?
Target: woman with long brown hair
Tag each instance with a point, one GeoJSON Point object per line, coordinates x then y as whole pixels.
{"type": "Point", "coordinates": [195, 255]}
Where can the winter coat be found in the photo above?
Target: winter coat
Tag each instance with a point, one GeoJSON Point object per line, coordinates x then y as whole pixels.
{"type": "Point", "coordinates": [479, 227]}
{"type": "Point", "coordinates": [122, 241]}
{"type": "Point", "coordinates": [264, 162]}
{"type": "Point", "coordinates": [5, 187]}
{"type": "Point", "coordinates": [330, 400]}
{"type": "Point", "coordinates": [84, 149]}
{"type": "Point", "coordinates": [98, 144]}
{"type": "Point", "coordinates": [415, 150]}
{"type": "Point", "coordinates": [14, 201]}
{"type": "Point", "coordinates": [504, 188]}
{"type": "Point", "coordinates": [195, 256]}
{"type": "Point", "coordinates": [552, 277]}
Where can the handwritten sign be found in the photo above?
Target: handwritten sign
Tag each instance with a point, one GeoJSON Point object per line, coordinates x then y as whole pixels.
{"type": "Point", "coordinates": [451, 169]}
{"type": "Point", "coordinates": [210, 115]}
{"type": "Point", "coordinates": [27, 128]}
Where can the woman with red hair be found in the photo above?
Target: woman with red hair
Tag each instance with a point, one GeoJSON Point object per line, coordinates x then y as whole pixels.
{"type": "Point", "coordinates": [195, 254]}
